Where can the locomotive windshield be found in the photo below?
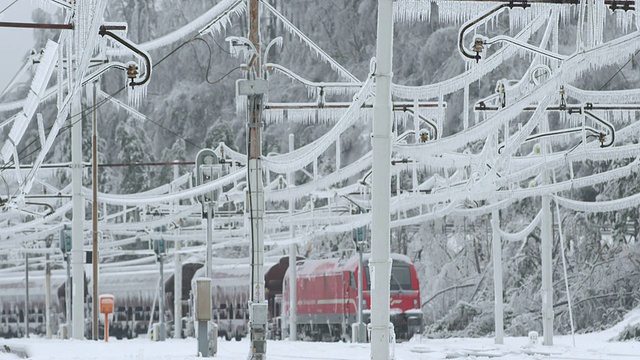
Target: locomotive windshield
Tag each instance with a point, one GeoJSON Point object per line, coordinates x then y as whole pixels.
{"type": "Point", "coordinates": [400, 277]}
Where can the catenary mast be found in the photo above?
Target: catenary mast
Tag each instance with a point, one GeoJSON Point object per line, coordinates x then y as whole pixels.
{"type": "Point", "coordinates": [381, 183]}
{"type": "Point", "coordinates": [257, 306]}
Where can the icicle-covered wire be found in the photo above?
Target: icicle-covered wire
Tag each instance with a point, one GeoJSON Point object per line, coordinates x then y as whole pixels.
{"type": "Point", "coordinates": [599, 206]}
{"type": "Point", "coordinates": [122, 105]}
{"type": "Point", "coordinates": [522, 234]}
{"type": "Point", "coordinates": [212, 20]}
{"type": "Point", "coordinates": [325, 182]}
{"type": "Point", "coordinates": [405, 11]}
{"type": "Point", "coordinates": [318, 50]}
{"type": "Point", "coordinates": [18, 228]}
{"type": "Point", "coordinates": [137, 199]}
{"type": "Point", "coordinates": [297, 159]}
{"type": "Point", "coordinates": [470, 75]}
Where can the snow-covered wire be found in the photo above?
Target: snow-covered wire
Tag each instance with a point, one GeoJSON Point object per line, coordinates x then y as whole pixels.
{"type": "Point", "coordinates": [220, 13]}
{"type": "Point", "coordinates": [317, 49]}
{"type": "Point", "coordinates": [522, 234]}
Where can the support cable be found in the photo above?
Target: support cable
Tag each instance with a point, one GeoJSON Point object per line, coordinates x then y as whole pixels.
{"type": "Point", "coordinates": [564, 268]}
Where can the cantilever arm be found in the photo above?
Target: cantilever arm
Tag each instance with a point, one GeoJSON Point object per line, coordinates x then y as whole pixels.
{"type": "Point", "coordinates": [555, 133]}
{"type": "Point", "coordinates": [294, 76]}
{"type": "Point", "coordinates": [612, 130]}
{"type": "Point", "coordinates": [101, 70]}
{"type": "Point", "coordinates": [470, 24]}
{"type": "Point", "coordinates": [525, 45]}
{"type": "Point", "coordinates": [103, 31]}
{"type": "Point", "coordinates": [427, 121]}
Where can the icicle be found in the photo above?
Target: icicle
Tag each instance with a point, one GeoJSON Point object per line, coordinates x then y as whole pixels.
{"type": "Point", "coordinates": [311, 45]}
{"type": "Point", "coordinates": [241, 105]}
{"type": "Point", "coordinates": [136, 94]}
{"type": "Point", "coordinates": [411, 10]}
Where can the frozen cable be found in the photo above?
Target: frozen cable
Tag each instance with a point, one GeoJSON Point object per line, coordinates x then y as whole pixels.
{"type": "Point", "coordinates": [564, 264]}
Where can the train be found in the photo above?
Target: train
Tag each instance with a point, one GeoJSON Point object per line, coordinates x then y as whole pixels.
{"type": "Point", "coordinates": [327, 298]}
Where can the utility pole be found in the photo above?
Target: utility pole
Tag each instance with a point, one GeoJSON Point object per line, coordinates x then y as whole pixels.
{"type": "Point", "coordinates": [47, 281]}
{"type": "Point", "coordinates": [497, 277]}
{"type": "Point", "coordinates": [293, 284]}
{"type": "Point", "coordinates": [77, 219]}
{"type": "Point", "coordinates": [177, 276]}
{"type": "Point", "coordinates": [380, 261]}
{"type": "Point", "coordinates": [26, 296]}
{"type": "Point", "coordinates": [94, 216]}
{"type": "Point", "coordinates": [255, 94]}
{"type": "Point", "coordinates": [546, 252]}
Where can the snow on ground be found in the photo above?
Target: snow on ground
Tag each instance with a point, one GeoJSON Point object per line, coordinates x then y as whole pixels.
{"type": "Point", "coordinates": [594, 346]}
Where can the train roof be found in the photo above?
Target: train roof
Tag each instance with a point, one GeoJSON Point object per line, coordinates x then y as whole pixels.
{"type": "Point", "coordinates": [230, 275]}
{"type": "Point", "coordinates": [12, 285]}
{"type": "Point", "coordinates": [327, 266]}
{"type": "Point", "coordinates": [140, 284]}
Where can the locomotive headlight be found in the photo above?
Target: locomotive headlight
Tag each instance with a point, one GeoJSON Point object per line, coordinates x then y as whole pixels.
{"type": "Point", "coordinates": [415, 303]}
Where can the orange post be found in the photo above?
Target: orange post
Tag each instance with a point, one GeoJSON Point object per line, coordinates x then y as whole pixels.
{"type": "Point", "coordinates": [106, 308]}
{"type": "Point", "coordinates": [106, 327]}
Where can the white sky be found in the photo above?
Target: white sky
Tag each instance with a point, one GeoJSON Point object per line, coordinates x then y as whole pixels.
{"type": "Point", "coordinates": [14, 43]}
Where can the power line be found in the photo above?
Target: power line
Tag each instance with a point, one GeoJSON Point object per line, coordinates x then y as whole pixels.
{"type": "Point", "coordinates": [8, 6]}
{"type": "Point", "coordinates": [97, 106]}
{"type": "Point", "coordinates": [619, 70]}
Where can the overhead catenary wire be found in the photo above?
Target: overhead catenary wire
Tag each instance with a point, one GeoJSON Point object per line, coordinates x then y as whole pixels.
{"type": "Point", "coordinates": [90, 109]}
{"type": "Point", "coordinates": [8, 6]}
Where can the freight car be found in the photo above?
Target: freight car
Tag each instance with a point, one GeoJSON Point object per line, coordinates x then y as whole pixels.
{"type": "Point", "coordinates": [230, 296]}
{"type": "Point", "coordinates": [12, 304]}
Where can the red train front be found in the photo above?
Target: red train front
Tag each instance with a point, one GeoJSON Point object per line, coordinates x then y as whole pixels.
{"type": "Point", "coordinates": [327, 297]}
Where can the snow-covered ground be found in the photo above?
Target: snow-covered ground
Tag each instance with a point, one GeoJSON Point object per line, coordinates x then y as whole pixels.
{"type": "Point", "coordinates": [588, 346]}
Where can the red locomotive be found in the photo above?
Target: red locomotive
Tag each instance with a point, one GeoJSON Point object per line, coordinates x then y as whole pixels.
{"type": "Point", "coordinates": [327, 297]}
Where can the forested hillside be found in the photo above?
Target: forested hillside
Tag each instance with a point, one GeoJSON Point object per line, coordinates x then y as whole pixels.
{"type": "Point", "coordinates": [191, 105]}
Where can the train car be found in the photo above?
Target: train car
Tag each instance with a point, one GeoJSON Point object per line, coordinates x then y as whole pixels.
{"type": "Point", "coordinates": [136, 298]}
{"type": "Point", "coordinates": [230, 297]}
{"type": "Point", "coordinates": [327, 297]}
{"type": "Point", "coordinates": [135, 294]}
{"type": "Point", "coordinates": [12, 303]}
{"type": "Point", "coordinates": [189, 270]}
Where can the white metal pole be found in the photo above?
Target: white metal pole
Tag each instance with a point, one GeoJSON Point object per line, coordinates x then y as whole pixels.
{"type": "Point", "coordinates": [497, 278]}
{"type": "Point", "coordinates": [162, 334]}
{"type": "Point", "coordinates": [76, 223]}
{"type": "Point", "coordinates": [547, 274]}
{"type": "Point", "coordinates": [177, 277]}
{"type": "Point", "coordinates": [381, 183]}
{"type": "Point", "coordinates": [293, 293]}
{"type": "Point", "coordinates": [361, 337]}
{"type": "Point", "coordinates": [209, 208]}
{"type": "Point", "coordinates": [67, 294]}
{"type": "Point", "coordinates": [94, 215]}
{"type": "Point", "coordinates": [47, 311]}
{"type": "Point", "coordinates": [26, 296]}
{"type": "Point", "coordinates": [547, 261]}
